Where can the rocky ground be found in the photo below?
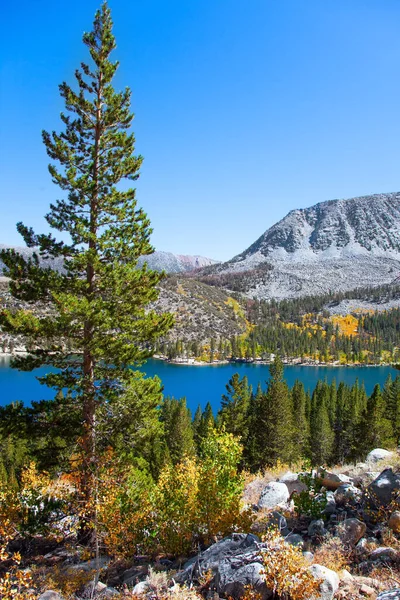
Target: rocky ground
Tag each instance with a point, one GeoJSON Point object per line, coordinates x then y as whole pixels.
{"type": "Point", "coordinates": [323, 534]}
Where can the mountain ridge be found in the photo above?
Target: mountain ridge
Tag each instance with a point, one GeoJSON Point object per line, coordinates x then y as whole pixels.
{"type": "Point", "coordinates": [336, 244]}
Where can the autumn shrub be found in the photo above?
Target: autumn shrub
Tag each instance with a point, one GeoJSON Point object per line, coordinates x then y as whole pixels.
{"type": "Point", "coordinates": [286, 570]}
{"type": "Point", "coordinates": [125, 510]}
{"type": "Point", "coordinates": [176, 506]}
{"type": "Point", "coordinates": [220, 487]}
{"type": "Point", "coordinates": [332, 553]}
{"type": "Point", "coordinates": [191, 503]}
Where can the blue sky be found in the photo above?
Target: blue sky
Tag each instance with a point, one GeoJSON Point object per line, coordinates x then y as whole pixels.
{"type": "Point", "coordinates": [244, 109]}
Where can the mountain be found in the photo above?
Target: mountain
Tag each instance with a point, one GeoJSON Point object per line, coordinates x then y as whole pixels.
{"type": "Point", "coordinates": [335, 245]}
{"type": "Point", "coordinates": [159, 261]}
{"type": "Point", "coordinates": [175, 263]}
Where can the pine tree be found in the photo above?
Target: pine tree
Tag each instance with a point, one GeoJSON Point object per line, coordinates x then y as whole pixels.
{"type": "Point", "coordinates": [235, 405]}
{"type": "Point", "coordinates": [177, 428]}
{"type": "Point", "coordinates": [321, 434]}
{"type": "Point", "coordinates": [301, 430]}
{"type": "Point", "coordinates": [273, 421]}
{"type": "Point", "coordinates": [99, 325]}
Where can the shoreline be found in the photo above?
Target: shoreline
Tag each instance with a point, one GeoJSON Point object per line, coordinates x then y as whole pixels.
{"type": "Point", "coordinates": [194, 363]}
{"type": "Point", "coordinates": [218, 363]}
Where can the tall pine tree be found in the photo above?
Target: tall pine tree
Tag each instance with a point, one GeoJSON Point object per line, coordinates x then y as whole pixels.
{"type": "Point", "coordinates": [100, 324]}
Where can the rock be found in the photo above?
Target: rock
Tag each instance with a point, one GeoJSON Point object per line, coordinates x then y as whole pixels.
{"type": "Point", "coordinates": [231, 581]}
{"type": "Point", "coordinates": [366, 590]}
{"type": "Point", "coordinates": [50, 595]}
{"type": "Point", "coordinates": [384, 553]}
{"type": "Point", "coordinates": [330, 507]}
{"type": "Point", "coordinates": [383, 489]}
{"type": "Point", "coordinates": [332, 481]}
{"type": "Point", "coordinates": [100, 590]}
{"type": "Point", "coordinates": [346, 576]}
{"type": "Point", "coordinates": [394, 521]}
{"type": "Point", "coordinates": [92, 565]}
{"type": "Point", "coordinates": [294, 539]}
{"type": "Point", "coordinates": [140, 589]}
{"type": "Point", "coordinates": [347, 493]}
{"type": "Point", "coordinates": [279, 522]}
{"type": "Point", "coordinates": [330, 580]}
{"type": "Point", "coordinates": [351, 531]}
{"type": "Point", "coordinates": [378, 454]}
{"type": "Point", "coordinates": [293, 483]}
{"type": "Point", "coordinates": [309, 556]}
{"type": "Point", "coordinates": [317, 528]}
{"type": "Point", "coordinates": [274, 494]}
{"type": "Point", "coordinates": [234, 563]}
{"type": "Point", "coordinates": [362, 547]}
{"type": "Point", "coordinates": [393, 594]}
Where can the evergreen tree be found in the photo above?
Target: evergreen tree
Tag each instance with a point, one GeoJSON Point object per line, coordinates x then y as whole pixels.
{"type": "Point", "coordinates": [321, 434]}
{"type": "Point", "coordinates": [273, 421]}
{"type": "Point", "coordinates": [233, 414]}
{"type": "Point", "coordinates": [301, 429]}
{"type": "Point", "coordinates": [100, 325]}
{"type": "Point", "coordinates": [178, 430]}
{"type": "Point", "coordinates": [375, 428]}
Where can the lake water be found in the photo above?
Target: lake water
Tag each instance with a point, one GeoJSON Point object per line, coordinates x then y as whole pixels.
{"type": "Point", "coordinates": [198, 384]}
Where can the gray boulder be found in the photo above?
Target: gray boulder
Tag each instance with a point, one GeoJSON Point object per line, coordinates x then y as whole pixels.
{"type": "Point", "coordinates": [378, 454]}
{"type": "Point", "coordinates": [231, 580]}
{"type": "Point", "coordinates": [279, 522]}
{"type": "Point", "coordinates": [317, 528]}
{"type": "Point", "coordinates": [293, 483]}
{"type": "Point", "coordinates": [330, 581]}
{"type": "Point", "coordinates": [383, 489]}
{"type": "Point", "coordinates": [50, 595]}
{"type": "Point", "coordinates": [350, 531]}
{"type": "Point", "coordinates": [347, 494]}
{"type": "Point", "coordinates": [393, 594]}
{"type": "Point", "coordinates": [274, 494]}
{"type": "Point", "coordinates": [294, 539]}
{"type": "Point", "coordinates": [234, 562]}
{"type": "Point", "coordinates": [384, 553]}
{"type": "Point", "coordinates": [330, 506]}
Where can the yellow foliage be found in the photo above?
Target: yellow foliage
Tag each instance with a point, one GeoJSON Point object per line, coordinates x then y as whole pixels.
{"type": "Point", "coordinates": [286, 570]}
{"type": "Point", "coordinates": [348, 325]}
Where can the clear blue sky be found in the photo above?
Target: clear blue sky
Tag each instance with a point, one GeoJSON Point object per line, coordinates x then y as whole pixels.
{"type": "Point", "coordinates": [245, 109]}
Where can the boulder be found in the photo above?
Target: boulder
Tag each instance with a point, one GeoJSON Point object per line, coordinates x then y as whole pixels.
{"type": "Point", "coordinates": [394, 521]}
{"type": "Point", "coordinates": [234, 562]}
{"type": "Point", "coordinates": [331, 480]}
{"type": "Point", "coordinates": [293, 483]}
{"type": "Point", "coordinates": [383, 489]}
{"type": "Point", "coordinates": [330, 507]}
{"type": "Point", "coordinates": [50, 595]}
{"type": "Point", "coordinates": [378, 454]}
{"type": "Point", "coordinates": [279, 522]}
{"type": "Point", "coordinates": [350, 531]}
{"type": "Point", "coordinates": [140, 589]}
{"type": "Point", "coordinates": [384, 553]}
{"type": "Point", "coordinates": [309, 556]}
{"type": "Point", "coordinates": [330, 581]}
{"type": "Point", "coordinates": [274, 494]}
{"type": "Point", "coordinates": [393, 594]}
{"type": "Point", "coordinates": [317, 528]}
{"type": "Point", "coordinates": [231, 581]}
{"type": "Point", "coordinates": [347, 494]}
{"type": "Point", "coordinates": [294, 539]}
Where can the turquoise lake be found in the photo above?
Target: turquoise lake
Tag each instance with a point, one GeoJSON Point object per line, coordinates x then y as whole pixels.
{"type": "Point", "coordinates": [198, 384]}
